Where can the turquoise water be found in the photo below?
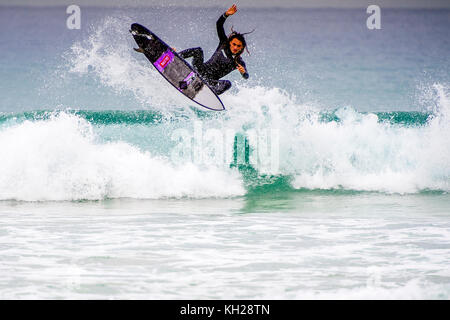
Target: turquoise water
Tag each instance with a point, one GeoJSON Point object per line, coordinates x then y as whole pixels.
{"type": "Point", "coordinates": [146, 117]}
{"type": "Point", "coordinates": [327, 177]}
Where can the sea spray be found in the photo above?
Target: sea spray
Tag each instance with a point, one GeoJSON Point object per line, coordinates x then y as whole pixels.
{"type": "Point", "coordinates": [116, 65]}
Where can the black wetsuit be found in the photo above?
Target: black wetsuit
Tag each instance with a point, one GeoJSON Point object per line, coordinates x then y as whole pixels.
{"type": "Point", "coordinates": [221, 63]}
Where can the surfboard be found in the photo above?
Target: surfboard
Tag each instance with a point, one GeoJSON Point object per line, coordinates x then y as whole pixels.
{"type": "Point", "coordinates": [175, 69]}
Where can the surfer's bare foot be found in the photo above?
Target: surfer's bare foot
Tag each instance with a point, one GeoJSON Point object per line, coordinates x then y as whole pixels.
{"type": "Point", "coordinates": [139, 50]}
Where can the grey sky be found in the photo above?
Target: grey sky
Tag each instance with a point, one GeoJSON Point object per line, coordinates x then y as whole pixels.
{"type": "Point", "coordinates": [240, 3]}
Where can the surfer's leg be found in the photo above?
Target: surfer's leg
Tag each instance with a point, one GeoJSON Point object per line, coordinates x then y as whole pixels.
{"type": "Point", "coordinates": [197, 59]}
{"type": "Point", "coordinates": [197, 56]}
{"type": "Point", "coordinates": [221, 86]}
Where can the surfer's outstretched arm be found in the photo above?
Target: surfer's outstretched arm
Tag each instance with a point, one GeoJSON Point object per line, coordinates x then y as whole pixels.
{"type": "Point", "coordinates": [220, 31]}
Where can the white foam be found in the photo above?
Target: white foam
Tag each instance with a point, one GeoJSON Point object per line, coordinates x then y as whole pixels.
{"type": "Point", "coordinates": [362, 154]}
{"type": "Point", "coordinates": [412, 290]}
{"type": "Point", "coordinates": [60, 159]}
{"type": "Point", "coordinates": [358, 152]}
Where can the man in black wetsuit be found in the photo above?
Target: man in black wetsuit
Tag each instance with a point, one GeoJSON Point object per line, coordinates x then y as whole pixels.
{"type": "Point", "coordinates": [225, 59]}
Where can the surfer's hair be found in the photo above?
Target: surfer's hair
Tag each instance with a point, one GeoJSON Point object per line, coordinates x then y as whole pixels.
{"type": "Point", "coordinates": [240, 37]}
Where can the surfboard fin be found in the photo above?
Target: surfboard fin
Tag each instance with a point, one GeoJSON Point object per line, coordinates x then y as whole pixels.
{"type": "Point", "coordinates": [140, 50]}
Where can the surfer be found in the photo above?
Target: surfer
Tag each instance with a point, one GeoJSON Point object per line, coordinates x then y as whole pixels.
{"type": "Point", "coordinates": [225, 59]}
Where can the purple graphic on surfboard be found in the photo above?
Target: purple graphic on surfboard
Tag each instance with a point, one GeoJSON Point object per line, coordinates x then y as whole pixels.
{"type": "Point", "coordinates": [184, 84]}
{"type": "Point", "coordinates": [163, 61]}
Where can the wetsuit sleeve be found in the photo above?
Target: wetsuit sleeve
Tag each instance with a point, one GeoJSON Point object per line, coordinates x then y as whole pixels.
{"type": "Point", "coordinates": [244, 75]}
{"type": "Point", "coordinates": [220, 30]}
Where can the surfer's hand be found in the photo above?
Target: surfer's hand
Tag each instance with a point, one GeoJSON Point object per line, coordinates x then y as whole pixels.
{"type": "Point", "coordinates": [231, 11]}
{"type": "Point", "coordinates": [240, 68]}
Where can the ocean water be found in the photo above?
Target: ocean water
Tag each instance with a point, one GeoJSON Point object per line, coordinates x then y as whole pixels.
{"type": "Point", "coordinates": [328, 175]}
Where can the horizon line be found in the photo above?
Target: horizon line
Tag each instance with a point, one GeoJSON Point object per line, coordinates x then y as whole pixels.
{"type": "Point", "coordinates": [132, 6]}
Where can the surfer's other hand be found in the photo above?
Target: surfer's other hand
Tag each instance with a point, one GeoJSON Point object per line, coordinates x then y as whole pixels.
{"type": "Point", "coordinates": [232, 10]}
{"type": "Point", "coordinates": [240, 68]}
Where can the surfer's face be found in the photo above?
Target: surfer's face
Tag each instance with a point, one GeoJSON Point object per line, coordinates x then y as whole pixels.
{"type": "Point", "coordinates": [236, 46]}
